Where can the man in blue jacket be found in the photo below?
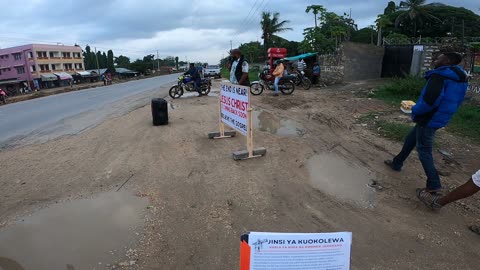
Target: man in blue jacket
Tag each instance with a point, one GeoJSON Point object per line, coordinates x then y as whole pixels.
{"type": "Point", "coordinates": [439, 101]}
{"type": "Point", "coordinates": [193, 72]}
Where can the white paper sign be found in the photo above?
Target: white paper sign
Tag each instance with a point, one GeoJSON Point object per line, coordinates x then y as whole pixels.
{"type": "Point", "coordinates": [299, 251]}
{"type": "Point", "coordinates": [234, 105]}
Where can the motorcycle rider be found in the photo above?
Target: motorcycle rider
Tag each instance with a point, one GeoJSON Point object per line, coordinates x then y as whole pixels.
{"type": "Point", "coordinates": [3, 96]}
{"type": "Point", "coordinates": [193, 72]}
{"type": "Point", "coordinates": [278, 73]}
{"type": "Point", "coordinates": [239, 69]}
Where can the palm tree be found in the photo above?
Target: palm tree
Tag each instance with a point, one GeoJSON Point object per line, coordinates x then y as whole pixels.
{"type": "Point", "coordinates": [382, 22]}
{"type": "Point", "coordinates": [272, 25]}
{"type": "Point", "coordinates": [316, 9]}
{"type": "Point", "coordinates": [414, 11]}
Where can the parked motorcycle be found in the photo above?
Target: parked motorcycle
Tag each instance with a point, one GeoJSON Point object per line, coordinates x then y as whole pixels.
{"type": "Point", "coordinates": [301, 79]}
{"type": "Point", "coordinates": [186, 83]}
{"type": "Point", "coordinates": [3, 96]}
{"type": "Point", "coordinates": [286, 85]}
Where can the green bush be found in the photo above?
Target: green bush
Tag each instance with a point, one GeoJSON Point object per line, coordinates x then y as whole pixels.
{"type": "Point", "coordinates": [398, 89]}
{"type": "Point", "coordinates": [466, 122]}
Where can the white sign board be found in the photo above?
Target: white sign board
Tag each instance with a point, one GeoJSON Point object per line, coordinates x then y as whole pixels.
{"type": "Point", "coordinates": [298, 251]}
{"type": "Point", "coordinates": [234, 102]}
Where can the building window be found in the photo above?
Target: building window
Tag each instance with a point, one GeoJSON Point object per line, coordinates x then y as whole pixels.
{"type": "Point", "coordinates": [54, 67]}
{"type": "Point", "coordinates": [42, 55]}
{"type": "Point", "coordinates": [30, 55]}
{"type": "Point", "coordinates": [20, 70]}
{"type": "Point", "coordinates": [76, 55]}
{"type": "Point", "coordinates": [43, 67]}
{"type": "Point", "coordinates": [67, 66]}
{"type": "Point", "coordinates": [17, 56]}
{"type": "Point", "coordinates": [78, 66]}
{"type": "Point", "coordinates": [66, 55]}
{"type": "Point", "coordinates": [33, 68]}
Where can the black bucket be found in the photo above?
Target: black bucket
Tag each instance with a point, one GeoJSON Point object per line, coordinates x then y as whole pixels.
{"type": "Point", "coordinates": [159, 111]}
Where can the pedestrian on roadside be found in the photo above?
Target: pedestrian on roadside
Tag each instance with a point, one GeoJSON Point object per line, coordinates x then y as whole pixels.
{"type": "Point", "coordinates": [435, 201]}
{"type": "Point", "coordinates": [193, 72]}
{"type": "Point", "coordinates": [301, 65]}
{"type": "Point", "coordinates": [439, 101]}
{"type": "Point", "coordinates": [278, 73]}
{"type": "Point", "coordinates": [239, 69]}
{"type": "Point", "coordinates": [316, 73]}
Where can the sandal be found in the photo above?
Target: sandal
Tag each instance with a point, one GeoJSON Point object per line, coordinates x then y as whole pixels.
{"type": "Point", "coordinates": [475, 229]}
{"type": "Point", "coordinates": [429, 198]}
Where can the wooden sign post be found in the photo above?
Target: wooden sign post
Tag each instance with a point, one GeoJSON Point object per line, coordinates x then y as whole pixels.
{"type": "Point", "coordinates": [235, 111]}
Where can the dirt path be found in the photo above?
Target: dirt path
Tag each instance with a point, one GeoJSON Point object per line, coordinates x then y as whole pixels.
{"type": "Point", "coordinates": [313, 179]}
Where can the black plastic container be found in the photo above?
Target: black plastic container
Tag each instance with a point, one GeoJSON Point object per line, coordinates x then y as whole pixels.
{"type": "Point", "coordinates": [159, 111]}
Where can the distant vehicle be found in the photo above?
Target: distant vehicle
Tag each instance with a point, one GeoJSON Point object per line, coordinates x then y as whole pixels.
{"type": "Point", "coordinates": [212, 71]}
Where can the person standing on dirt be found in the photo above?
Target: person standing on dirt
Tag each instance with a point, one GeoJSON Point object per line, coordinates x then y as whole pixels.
{"type": "Point", "coordinates": [239, 69]}
{"type": "Point", "coordinates": [316, 73]}
{"type": "Point", "coordinates": [278, 73]}
{"type": "Point", "coordinates": [193, 72]}
{"type": "Point", "coordinates": [301, 65]}
{"type": "Point", "coordinates": [466, 190]}
{"type": "Point", "coordinates": [439, 101]}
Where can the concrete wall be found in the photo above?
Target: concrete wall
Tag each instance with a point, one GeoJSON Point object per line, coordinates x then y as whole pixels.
{"type": "Point", "coordinates": [362, 61]}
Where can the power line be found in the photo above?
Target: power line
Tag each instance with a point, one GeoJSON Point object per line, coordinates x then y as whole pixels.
{"type": "Point", "coordinates": [245, 26]}
{"type": "Point", "coordinates": [248, 15]}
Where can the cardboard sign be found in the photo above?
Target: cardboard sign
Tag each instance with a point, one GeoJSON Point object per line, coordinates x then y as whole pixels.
{"type": "Point", "coordinates": [295, 251]}
{"type": "Point", "coordinates": [234, 103]}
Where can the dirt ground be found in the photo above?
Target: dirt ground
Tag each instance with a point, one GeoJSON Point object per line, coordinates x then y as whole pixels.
{"type": "Point", "coordinates": [202, 200]}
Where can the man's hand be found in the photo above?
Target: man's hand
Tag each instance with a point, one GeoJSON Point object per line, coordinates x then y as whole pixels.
{"type": "Point", "coordinates": [243, 79]}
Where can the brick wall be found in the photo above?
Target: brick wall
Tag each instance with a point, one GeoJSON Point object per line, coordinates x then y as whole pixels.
{"type": "Point", "coordinates": [362, 61]}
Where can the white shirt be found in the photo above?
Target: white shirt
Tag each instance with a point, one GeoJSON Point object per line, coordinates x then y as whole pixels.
{"type": "Point", "coordinates": [476, 178]}
{"type": "Point", "coordinates": [233, 79]}
{"type": "Point", "coordinates": [301, 65]}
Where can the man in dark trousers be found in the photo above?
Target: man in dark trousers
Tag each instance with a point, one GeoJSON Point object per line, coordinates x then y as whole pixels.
{"type": "Point", "coordinates": [239, 69]}
{"type": "Point", "coordinates": [193, 72]}
{"type": "Point", "coordinates": [439, 101]}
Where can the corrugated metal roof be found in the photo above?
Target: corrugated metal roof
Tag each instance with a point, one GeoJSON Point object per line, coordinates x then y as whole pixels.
{"type": "Point", "coordinates": [301, 56]}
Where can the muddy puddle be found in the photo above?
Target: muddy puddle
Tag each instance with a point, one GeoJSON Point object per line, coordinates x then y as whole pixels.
{"type": "Point", "coordinates": [79, 234]}
{"type": "Point", "coordinates": [268, 122]}
{"type": "Point", "coordinates": [348, 182]}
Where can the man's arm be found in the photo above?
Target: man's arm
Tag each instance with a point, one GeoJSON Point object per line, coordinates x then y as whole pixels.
{"type": "Point", "coordinates": [433, 90]}
{"type": "Point", "coordinates": [244, 73]}
{"type": "Point", "coordinates": [243, 79]}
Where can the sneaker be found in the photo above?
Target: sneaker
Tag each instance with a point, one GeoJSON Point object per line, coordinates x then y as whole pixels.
{"type": "Point", "coordinates": [430, 199]}
{"type": "Point", "coordinates": [389, 163]}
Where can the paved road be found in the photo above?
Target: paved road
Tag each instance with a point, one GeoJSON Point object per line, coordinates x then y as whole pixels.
{"type": "Point", "coordinates": [43, 119]}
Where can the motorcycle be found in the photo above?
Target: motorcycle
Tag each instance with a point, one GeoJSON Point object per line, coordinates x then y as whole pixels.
{"type": "Point", "coordinates": [301, 79]}
{"type": "Point", "coordinates": [286, 85]}
{"type": "Point", "coordinates": [186, 83]}
{"type": "Point", "coordinates": [3, 96]}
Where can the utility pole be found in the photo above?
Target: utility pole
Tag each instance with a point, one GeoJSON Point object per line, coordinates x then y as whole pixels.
{"type": "Point", "coordinates": [231, 45]}
{"type": "Point", "coordinates": [158, 62]}
{"type": "Point", "coordinates": [96, 57]}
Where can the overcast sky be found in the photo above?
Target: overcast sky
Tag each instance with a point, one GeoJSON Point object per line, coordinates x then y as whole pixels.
{"type": "Point", "coordinates": [199, 30]}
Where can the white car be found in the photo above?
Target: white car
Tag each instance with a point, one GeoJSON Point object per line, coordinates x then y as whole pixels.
{"type": "Point", "coordinates": [212, 71]}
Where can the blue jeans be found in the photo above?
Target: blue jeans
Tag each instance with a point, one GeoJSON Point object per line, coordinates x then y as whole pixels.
{"type": "Point", "coordinates": [422, 138]}
{"type": "Point", "coordinates": [277, 80]}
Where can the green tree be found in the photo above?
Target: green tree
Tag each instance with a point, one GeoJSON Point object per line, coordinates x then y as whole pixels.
{"type": "Point", "coordinates": [176, 62]}
{"type": "Point", "coordinates": [381, 22]}
{"type": "Point", "coordinates": [316, 10]}
{"type": "Point", "coordinates": [271, 25]}
{"type": "Point", "coordinates": [315, 41]}
{"type": "Point", "coordinates": [110, 63]}
{"type": "Point", "coordinates": [104, 60]}
{"type": "Point", "coordinates": [122, 61]}
{"type": "Point", "coordinates": [252, 50]}
{"type": "Point", "coordinates": [89, 58]}
{"type": "Point", "coordinates": [413, 11]}
{"type": "Point", "coordinates": [364, 35]}
{"type": "Point", "coordinates": [390, 9]}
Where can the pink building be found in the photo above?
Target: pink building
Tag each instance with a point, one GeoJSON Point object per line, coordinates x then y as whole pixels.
{"type": "Point", "coordinates": [39, 65]}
